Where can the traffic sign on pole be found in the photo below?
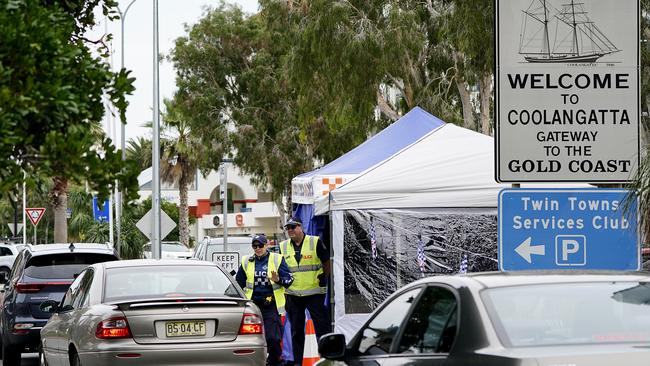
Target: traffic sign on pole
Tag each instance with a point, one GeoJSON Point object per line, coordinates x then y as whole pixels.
{"type": "Point", "coordinates": [166, 224]}
{"type": "Point", "coordinates": [101, 214]}
{"type": "Point", "coordinates": [568, 229]}
{"type": "Point", "coordinates": [35, 214]}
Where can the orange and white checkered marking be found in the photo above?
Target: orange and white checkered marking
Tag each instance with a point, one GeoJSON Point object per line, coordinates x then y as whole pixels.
{"type": "Point", "coordinates": [331, 184]}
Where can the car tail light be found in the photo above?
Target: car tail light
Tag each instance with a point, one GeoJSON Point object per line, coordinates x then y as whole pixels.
{"type": "Point", "coordinates": [36, 287]}
{"type": "Point", "coordinates": [251, 324]}
{"type": "Point", "coordinates": [113, 328]}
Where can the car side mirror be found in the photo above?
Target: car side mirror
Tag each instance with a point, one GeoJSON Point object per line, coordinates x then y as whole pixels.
{"type": "Point", "coordinates": [49, 306]}
{"type": "Point", "coordinates": [332, 346]}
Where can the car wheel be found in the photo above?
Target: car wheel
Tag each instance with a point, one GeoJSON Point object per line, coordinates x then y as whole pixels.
{"type": "Point", "coordinates": [75, 360]}
{"type": "Point", "coordinates": [41, 356]}
{"type": "Point", "coordinates": [10, 357]}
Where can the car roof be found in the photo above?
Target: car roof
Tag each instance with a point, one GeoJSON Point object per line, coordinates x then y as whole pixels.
{"type": "Point", "coordinates": [231, 239]}
{"type": "Point", "coordinates": [156, 262]}
{"type": "Point", "coordinates": [505, 279]}
{"type": "Point", "coordinates": [70, 247]}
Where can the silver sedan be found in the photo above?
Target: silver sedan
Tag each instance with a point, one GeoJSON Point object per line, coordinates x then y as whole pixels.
{"type": "Point", "coordinates": [153, 312]}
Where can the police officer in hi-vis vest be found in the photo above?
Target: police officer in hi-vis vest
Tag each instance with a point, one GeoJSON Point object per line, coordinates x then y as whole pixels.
{"type": "Point", "coordinates": [309, 263]}
{"type": "Point", "coordinates": [264, 276]}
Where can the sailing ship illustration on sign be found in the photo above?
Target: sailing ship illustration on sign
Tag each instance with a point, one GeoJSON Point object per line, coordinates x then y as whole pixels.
{"type": "Point", "coordinates": [551, 35]}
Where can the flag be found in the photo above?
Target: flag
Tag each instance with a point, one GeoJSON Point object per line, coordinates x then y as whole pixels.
{"type": "Point", "coordinates": [373, 240]}
{"type": "Point", "coordinates": [421, 257]}
{"type": "Point", "coordinates": [463, 265]}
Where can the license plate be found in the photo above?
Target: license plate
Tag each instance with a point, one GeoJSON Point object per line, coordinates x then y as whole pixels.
{"type": "Point", "coordinates": [185, 328]}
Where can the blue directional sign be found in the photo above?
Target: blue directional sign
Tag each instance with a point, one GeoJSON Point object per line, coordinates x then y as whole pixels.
{"type": "Point", "coordinates": [100, 213]}
{"type": "Point", "coordinates": [567, 229]}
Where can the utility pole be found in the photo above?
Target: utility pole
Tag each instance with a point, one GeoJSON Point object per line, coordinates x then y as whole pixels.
{"type": "Point", "coordinates": [118, 194]}
{"type": "Point", "coordinates": [155, 156]}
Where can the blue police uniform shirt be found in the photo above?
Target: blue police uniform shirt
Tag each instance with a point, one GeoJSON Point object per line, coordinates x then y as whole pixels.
{"type": "Point", "coordinates": [262, 287]}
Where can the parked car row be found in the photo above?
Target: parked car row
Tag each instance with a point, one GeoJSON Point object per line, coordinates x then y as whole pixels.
{"type": "Point", "coordinates": [78, 304]}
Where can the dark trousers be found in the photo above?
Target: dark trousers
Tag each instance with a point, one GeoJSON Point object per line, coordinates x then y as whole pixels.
{"type": "Point", "coordinates": [273, 333]}
{"type": "Point", "coordinates": [296, 306]}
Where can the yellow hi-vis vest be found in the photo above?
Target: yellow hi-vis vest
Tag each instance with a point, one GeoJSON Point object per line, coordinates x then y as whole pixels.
{"type": "Point", "coordinates": [305, 274]}
{"type": "Point", "coordinates": [274, 264]}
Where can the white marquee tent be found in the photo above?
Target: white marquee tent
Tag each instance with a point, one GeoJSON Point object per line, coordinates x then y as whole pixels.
{"type": "Point", "coordinates": [448, 171]}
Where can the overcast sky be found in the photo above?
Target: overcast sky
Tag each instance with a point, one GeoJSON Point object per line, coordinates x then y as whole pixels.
{"type": "Point", "coordinates": [138, 51]}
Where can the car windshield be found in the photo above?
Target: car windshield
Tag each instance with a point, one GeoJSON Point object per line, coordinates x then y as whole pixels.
{"type": "Point", "coordinates": [576, 313]}
{"type": "Point", "coordinates": [173, 247]}
{"type": "Point", "coordinates": [148, 282]}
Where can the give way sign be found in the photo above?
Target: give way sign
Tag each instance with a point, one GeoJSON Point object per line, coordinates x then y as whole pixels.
{"type": "Point", "coordinates": [35, 214]}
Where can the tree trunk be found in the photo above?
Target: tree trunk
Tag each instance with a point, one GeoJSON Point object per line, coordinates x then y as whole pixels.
{"type": "Point", "coordinates": [59, 202]}
{"type": "Point", "coordinates": [485, 90]}
{"type": "Point", "coordinates": [183, 214]}
{"type": "Point", "coordinates": [385, 109]}
{"type": "Point", "coordinates": [468, 116]}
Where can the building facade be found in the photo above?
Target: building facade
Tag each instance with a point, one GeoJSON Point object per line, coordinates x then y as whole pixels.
{"type": "Point", "coordinates": [250, 210]}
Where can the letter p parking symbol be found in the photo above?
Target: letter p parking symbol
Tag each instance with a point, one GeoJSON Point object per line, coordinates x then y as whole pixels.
{"type": "Point", "coordinates": [570, 250]}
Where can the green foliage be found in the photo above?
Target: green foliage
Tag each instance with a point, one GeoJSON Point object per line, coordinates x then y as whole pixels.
{"type": "Point", "coordinates": [231, 70]}
{"type": "Point", "coordinates": [51, 89]}
{"type": "Point", "coordinates": [139, 151]}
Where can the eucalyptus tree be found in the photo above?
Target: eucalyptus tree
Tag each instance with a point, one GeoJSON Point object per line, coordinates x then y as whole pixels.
{"type": "Point", "coordinates": [51, 89]}
{"type": "Point", "coordinates": [234, 94]}
{"type": "Point", "coordinates": [431, 52]}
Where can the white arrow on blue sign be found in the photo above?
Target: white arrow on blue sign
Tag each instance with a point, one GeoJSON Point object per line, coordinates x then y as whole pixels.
{"type": "Point", "coordinates": [568, 229]}
{"type": "Point", "coordinates": [100, 213]}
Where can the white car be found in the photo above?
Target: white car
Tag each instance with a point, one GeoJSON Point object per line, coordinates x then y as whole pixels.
{"type": "Point", "coordinates": [8, 253]}
{"type": "Point", "coordinates": [169, 250]}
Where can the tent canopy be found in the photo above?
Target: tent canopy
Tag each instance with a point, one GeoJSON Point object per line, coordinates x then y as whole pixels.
{"type": "Point", "coordinates": [450, 167]}
{"type": "Point", "coordinates": [306, 187]}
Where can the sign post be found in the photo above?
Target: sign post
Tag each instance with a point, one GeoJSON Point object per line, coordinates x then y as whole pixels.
{"type": "Point", "coordinates": [35, 215]}
{"type": "Point", "coordinates": [567, 229]}
{"type": "Point", "coordinates": [567, 91]}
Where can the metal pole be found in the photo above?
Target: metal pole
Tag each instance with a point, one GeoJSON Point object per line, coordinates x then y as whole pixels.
{"type": "Point", "coordinates": [155, 199]}
{"type": "Point", "coordinates": [111, 237]}
{"type": "Point", "coordinates": [118, 196]}
{"type": "Point", "coordinates": [225, 206]}
{"type": "Point", "coordinates": [24, 209]}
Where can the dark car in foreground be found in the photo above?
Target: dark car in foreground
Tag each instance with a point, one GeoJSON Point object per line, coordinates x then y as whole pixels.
{"type": "Point", "coordinates": [40, 273]}
{"type": "Point", "coordinates": [153, 312]}
{"type": "Point", "coordinates": [490, 319]}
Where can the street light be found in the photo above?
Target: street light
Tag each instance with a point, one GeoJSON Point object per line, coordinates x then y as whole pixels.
{"type": "Point", "coordinates": [118, 194]}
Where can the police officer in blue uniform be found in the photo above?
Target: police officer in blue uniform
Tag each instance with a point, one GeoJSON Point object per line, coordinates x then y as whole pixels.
{"type": "Point", "coordinates": [264, 276]}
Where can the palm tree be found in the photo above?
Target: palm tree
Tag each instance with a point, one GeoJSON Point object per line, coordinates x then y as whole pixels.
{"type": "Point", "coordinates": [139, 150]}
{"type": "Point", "coordinates": [180, 158]}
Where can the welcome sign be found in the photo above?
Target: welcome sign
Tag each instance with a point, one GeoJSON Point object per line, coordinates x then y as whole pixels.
{"type": "Point", "coordinates": [567, 90]}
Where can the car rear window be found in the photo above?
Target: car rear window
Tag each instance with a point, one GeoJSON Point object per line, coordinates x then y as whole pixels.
{"type": "Point", "coordinates": [63, 265]}
{"type": "Point", "coordinates": [149, 282]}
{"type": "Point", "coordinates": [574, 313]}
